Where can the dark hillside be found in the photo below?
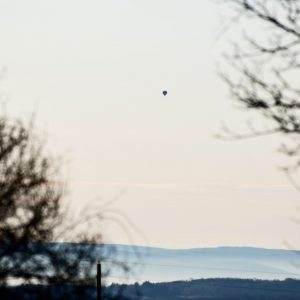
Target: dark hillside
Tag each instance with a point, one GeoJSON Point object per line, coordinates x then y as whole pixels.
{"type": "Point", "coordinates": [216, 289]}
{"type": "Point", "coordinates": [202, 289]}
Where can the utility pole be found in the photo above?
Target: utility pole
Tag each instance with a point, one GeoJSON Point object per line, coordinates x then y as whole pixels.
{"type": "Point", "coordinates": [99, 291]}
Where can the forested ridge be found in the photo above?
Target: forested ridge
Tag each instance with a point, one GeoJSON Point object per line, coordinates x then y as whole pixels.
{"type": "Point", "coordinates": [214, 289]}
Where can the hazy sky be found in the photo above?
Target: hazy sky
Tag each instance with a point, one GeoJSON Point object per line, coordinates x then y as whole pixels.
{"type": "Point", "coordinates": [94, 72]}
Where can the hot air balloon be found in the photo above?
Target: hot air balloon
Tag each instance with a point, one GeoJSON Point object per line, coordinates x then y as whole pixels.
{"type": "Point", "coordinates": [165, 93]}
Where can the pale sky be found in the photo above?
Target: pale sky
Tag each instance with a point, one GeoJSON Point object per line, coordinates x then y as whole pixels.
{"type": "Point", "coordinates": [94, 72]}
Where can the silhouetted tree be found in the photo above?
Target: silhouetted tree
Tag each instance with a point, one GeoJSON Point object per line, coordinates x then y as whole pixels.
{"type": "Point", "coordinates": [266, 65]}
{"type": "Point", "coordinates": [33, 220]}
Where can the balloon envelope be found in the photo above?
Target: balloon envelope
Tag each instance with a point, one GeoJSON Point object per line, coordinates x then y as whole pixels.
{"type": "Point", "coordinates": [165, 93]}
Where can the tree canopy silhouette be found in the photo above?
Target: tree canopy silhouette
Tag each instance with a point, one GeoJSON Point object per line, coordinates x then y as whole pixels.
{"type": "Point", "coordinates": [33, 218]}
{"type": "Point", "coordinates": [266, 69]}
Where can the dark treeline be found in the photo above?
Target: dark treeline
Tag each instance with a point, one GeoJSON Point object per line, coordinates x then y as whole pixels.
{"type": "Point", "coordinates": [213, 289]}
{"type": "Point", "coordinates": [204, 289]}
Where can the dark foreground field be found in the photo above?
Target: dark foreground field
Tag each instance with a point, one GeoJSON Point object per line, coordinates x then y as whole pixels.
{"type": "Point", "coordinates": [202, 289]}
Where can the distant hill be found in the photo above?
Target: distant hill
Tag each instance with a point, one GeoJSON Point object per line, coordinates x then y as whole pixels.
{"type": "Point", "coordinates": [160, 265]}
{"type": "Point", "coordinates": [205, 273]}
{"type": "Point", "coordinates": [165, 265]}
